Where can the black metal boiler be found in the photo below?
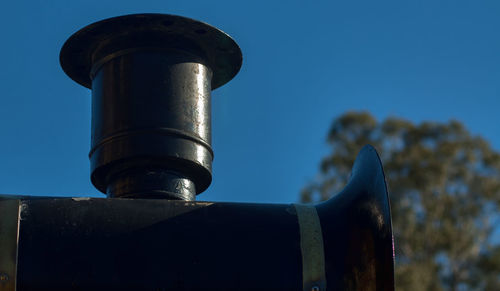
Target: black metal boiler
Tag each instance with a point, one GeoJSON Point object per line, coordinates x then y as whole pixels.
{"type": "Point", "coordinates": [151, 77]}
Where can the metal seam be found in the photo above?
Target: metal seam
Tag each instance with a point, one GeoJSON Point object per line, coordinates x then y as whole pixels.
{"type": "Point", "coordinates": [312, 249]}
{"type": "Point", "coordinates": [167, 131]}
{"type": "Point", "coordinates": [9, 240]}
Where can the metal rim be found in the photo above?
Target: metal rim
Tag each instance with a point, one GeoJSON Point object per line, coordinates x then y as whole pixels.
{"type": "Point", "coordinates": [78, 53]}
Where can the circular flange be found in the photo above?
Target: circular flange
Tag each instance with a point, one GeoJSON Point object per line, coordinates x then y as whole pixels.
{"type": "Point", "coordinates": [101, 41]}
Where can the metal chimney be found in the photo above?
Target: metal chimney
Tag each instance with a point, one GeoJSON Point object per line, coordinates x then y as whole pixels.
{"type": "Point", "coordinates": [151, 76]}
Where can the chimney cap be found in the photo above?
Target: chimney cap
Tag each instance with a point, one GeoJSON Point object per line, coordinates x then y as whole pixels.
{"type": "Point", "coordinates": [93, 45]}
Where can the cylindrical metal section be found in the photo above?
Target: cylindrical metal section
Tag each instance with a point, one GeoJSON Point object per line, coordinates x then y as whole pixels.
{"type": "Point", "coordinates": [144, 244]}
{"type": "Point", "coordinates": [151, 183]}
{"type": "Point", "coordinates": [151, 121]}
{"type": "Point", "coordinates": [344, 243]}
{"type": "Point", "coordinates": [151, 76]}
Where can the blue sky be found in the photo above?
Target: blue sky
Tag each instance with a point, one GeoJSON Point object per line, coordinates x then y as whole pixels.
{"type": "Point", "coordinates": [305, 63]}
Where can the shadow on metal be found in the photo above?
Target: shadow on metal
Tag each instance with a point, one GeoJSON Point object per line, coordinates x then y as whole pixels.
{"type": "Point", "coordinates": [141, 244]}
{"type": "Point", "coordinates": [151, 76]}
{"type": "Point", "coordinates": [358, 222]}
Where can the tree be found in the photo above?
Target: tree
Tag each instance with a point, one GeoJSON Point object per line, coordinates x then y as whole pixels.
{"type": "Point", "coordinates": [444, 186]}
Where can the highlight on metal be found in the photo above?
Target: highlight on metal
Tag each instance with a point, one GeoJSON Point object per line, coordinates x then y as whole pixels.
{"type": "Point", "coordinates": [151, 77]}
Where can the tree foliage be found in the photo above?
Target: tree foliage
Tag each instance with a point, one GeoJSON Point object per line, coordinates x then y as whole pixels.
{"type": "Point", "coordinates": [444, 186]}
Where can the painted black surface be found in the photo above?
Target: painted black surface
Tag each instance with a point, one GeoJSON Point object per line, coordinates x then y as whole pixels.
{"type": "Point", "coordinates": [357, 229]}
{"type": "Point", "coordinates": [149, 74]}
{"type": "Point", "coordinates": [92, 244]}
{"type": "Point", "coordinates": [157, 245]}
{"type": "Point", "coordinates": [151, 77]}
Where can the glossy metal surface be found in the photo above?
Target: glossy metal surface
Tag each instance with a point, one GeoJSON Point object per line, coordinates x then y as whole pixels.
{"type": "Point", "coordinates": [102, 40]}
{"type": "Point", "coordinates": [151, 76]}
{"type": "Point", "coordinates": [357, 229]}
{"type": "Point", "coordinates": [151, 126]}
{"type": "Point", "coordinates": [138, 244]}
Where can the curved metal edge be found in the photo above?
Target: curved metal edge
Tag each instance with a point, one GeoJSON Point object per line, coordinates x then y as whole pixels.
{"type": "Point", "coordinates": [358, 219]}
{"type": "Point", "coordinates": [76, 53]}
{"type": "Point", "coordinates": [9, 238]}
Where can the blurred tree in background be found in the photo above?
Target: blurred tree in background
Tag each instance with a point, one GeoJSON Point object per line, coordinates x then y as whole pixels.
{"type": "Point", "coordinates": [444, 186]}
